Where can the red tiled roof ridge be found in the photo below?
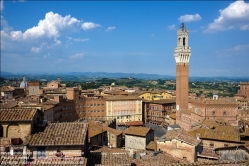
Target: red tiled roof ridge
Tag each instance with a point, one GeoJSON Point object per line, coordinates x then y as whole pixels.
{"type": "Point", "coordinates": [17, 114]}
{"type": "Point", "coordinates": [139, 131]}
{"type": "Point", "coordinates": [71, 133]}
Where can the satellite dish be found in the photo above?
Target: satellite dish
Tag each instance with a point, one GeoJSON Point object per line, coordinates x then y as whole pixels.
{"type": "Point", "coordinates": [177, 107]}
{"type": "Point", "coordinates": [196, 110]}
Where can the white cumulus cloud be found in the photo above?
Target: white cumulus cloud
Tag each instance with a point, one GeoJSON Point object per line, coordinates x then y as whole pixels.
{"type": "Point", "coordinates": [189, 18]}
{"type": "Point", "coordinates": [172, 27]}
{"type": "Point", "coordinates": [89, 25]}
{"type": "Point", "coordinates": [235, 16]}
{"type": "Point", "coordinates": [51, 26]}
{"type": "Point", "coordinates": [1, 5]}
{"type": "Point", "coordinates": [76, 56]}
{"type": "Point", "coordinates": [37, 49]}
{"type": "Point", "coordinates": [80, 39]}
{"type": "Point", "coordinates": [234, 51]}
{"type": "Point", "coordinates": [110, 28]}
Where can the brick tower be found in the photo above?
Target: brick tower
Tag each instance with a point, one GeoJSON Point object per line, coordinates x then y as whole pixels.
{"type": "Point", "coordinates": [182, 56]}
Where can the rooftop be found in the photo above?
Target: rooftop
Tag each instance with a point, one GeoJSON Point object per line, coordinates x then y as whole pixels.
{"type": "Point", "coordinates": [6, 89]}
{"type": "Point", "coordinates": [109, 157]}
{"type": "Point", "coordinates": [114, 131]}
{"type": "Point", "coordinates": [115, 98]}
{"type": "Point", "coordinates": [67, 134]}
{"type": "Point", "coordinates": [164, 101]}
{"type": "Point", "coordinates": [213, 130]}
{"type": "Point", "coordinates": [138, 131]}
{"type": "Point", "coordinates": [17, 114]}
{"type": "Point", "coordinates": [134, 123]}
{"type": "Point", "coordinates": [95, 128]}
{"type": "Point", "coordinates": [152, 146]}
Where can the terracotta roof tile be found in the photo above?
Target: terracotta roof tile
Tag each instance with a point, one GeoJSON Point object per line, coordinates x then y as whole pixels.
{"type": "Point", "coordinates": [114, 131]}
{"type": "Point", "coordinates": [17, 114]}
{"type": "Point", "coordinates": [134, 123]}
{"type": "Point", "coordinates": [6, 89]}
{"type": "Point", "coordinates": [164, 101]}
{"type": "Point", "coordinates": [109, 156]}
{"type": "Point", "coordinates": [152, 146]}
{"type": "Point", "coordinates": [188, 139]}
{"type": "Point", "coordinates": [173, 115]}
{"type": "Point", "coordinates": [95, 128]}
{"type": "Point", "coordinates": [139, 131]}
{"type": "Point", "coordinates": [72, 133]}
{"type": "Point", "coordinates": [216, 132]}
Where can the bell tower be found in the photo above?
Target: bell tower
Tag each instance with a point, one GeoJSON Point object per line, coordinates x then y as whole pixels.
{"type": "Point", "coordinates": [182, 56]}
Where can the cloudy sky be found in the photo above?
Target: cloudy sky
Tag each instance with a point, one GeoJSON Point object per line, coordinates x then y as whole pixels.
{"type": "Point", "coordinates": [128, 37]}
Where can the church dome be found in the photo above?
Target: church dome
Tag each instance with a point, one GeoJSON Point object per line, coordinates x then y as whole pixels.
{"type": "Point", "coordinates": [24, 83]}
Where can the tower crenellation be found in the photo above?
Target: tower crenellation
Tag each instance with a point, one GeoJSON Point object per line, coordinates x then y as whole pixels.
{"type": "Point", "coordinates": [182, 51]}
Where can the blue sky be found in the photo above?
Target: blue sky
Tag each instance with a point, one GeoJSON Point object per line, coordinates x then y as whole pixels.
{"type": "Point", "coordinates": [126, 36]}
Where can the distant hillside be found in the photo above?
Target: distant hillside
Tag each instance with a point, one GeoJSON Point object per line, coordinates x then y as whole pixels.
{"type": "Point", "coordinates": [90, 76]}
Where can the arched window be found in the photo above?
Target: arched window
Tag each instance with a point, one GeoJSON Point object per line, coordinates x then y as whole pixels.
{"type": "Point", "coordinates": [213, 113]}
{"type": "Point", "coordinates": [13, 131]}
{"type": "Point", "coordinates": [224, 113]}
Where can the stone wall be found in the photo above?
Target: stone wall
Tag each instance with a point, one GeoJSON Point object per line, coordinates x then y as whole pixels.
{"type": "Point", "coordinates": [34, 90]}
{"type": "Point", "coordinates": [178, 149]}
{"type": "Point", "coordinates": [53, 84]}
{"type": "Point", "coordinates": [217, 144]}
{"type": "Point", "coordinates": [16, 130]}
{"type": "Point", "coordinates": [133, 143]}
{"type": "Point", "coordinates": [50, 151]}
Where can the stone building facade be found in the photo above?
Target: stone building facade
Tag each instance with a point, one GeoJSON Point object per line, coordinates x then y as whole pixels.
{"type": "Point", "coordinates": [157, 111]}
{"type": "Point", "coordinates": [180, 145]}
{"type": "Point", "coordinates": [242, 97]}
{"type": "Point", "coordinates": [124, 108]}
{"type": "Point", "coordinates": [155, 95]}
{"type": "Point", "coordinates": [212, 109]}
{"type": "Point", "coordinates": [92, 107]}
{"type": "Point", "coordinates": [19, 122]}
{"type": "Point", "coordinates": [34, 88]}
{"type": "Point", "coordinates": [69, 139]}
{"type": "Point", "coordinates": [137, 138]}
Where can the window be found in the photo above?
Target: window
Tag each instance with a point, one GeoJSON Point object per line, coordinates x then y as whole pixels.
{"type": "Point", "coordinates": [224, 113]}
{"type": "Point", "coordinates": [226, 145]}
{"type": "Point", "coordinates": [211, 144]}
{"type": "Point", "coordinates": [41, 152]}
{"type": "Point", "coordinates": [213, 113]}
